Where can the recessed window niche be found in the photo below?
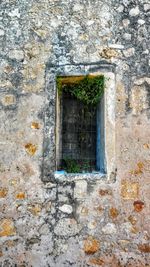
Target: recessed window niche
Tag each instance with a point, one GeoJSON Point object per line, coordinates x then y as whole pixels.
{"type": "Point", "coordinates": [79, 136]}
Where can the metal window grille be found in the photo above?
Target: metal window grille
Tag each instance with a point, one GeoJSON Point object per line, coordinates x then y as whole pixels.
{"type": "Point", "coordinates": [78, 135]}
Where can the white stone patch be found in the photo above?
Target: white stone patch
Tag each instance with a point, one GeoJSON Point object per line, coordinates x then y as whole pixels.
{"type": "Point", "coordinates": [116, 46]}
{"type": "Point", "coordinates": [126, 2]}
{"type": "Point", "coordinates": [2, 32]}
{"type": "Point", "coordinates": [16, 54]}
{"type": "Point", "coordinates": [14, 13]}
{"type": "Point", "coordinates": [142, 80]}
{"type": "Point", "coordinates": [129, 52]}
{"type": "Point", "coordinates": [141, 21]}
{"type": "Point", "coordinates": [127, 36]}
{"type": "Point", "coordinates": [109, 229]}
{"type": "Point", "coordinates": [66, 209]}
{"type": "Point", "coordinates": [146, 7]}
{"type": "Point", "coordinates": [120, 8]}
{"type": "Point", "coordinates": [138, 100]}
{"type": "Point", "coordinates": [125, 23]}
{"type": "Point", "coordinates": [126, 227]}
{"type": "Point", "coordinates": [110, 97]}
{"type": "Point", "coordinates": [90, 22]}
{"type": "Point", "coordinates": [77, 7]}
{"type": "Point", "coordinates": [146, 52]}
{"type": "Point", "coordinates": [134, 11]}
{"type": "Point", "coordinates": [92, 225]}
{"type": "Point", "coordinates": [80, 189]}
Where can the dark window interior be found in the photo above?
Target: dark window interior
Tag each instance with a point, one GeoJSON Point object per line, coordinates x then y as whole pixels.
{"type": "Point", "coordinates": [78, 135]}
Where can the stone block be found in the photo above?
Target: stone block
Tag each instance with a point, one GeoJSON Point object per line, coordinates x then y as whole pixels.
{"type": "Point", "coordinates": [67, 227]}
{"type": "Point", "coordinates": [7, 227]}
{"type": "Point", "coordinates": [2, 33]}
{"type": "Point", "coordinates": [138, 101]}
{"type": "Point", "coordinates": [31, 149]}
{"type": "Point", "coordinates": [132, 220]}
{"type": "Point", "coordinates": [138, 205]}
{"type": "Point", "coordinates": [146, 7]}
{"type": "Point", "coordinates": [35, 125]}
{"type": "Point", "coordinates": [144, 248]}
{"type": "Point", "coordinates": [129, 52]}
{"type": "Point", "coordinates": [3, 192]}
{"type": "Point", "coordinates": [109, 229]}
{"type": "Point", "coordinates": [80, 190]}
{"type": "Point", "coordinates": [20, 195]}
{"type": "Point", "coordinates": [134, 11]}
{"type": "Point", "coordinates": [16, 54]}
{"type": "Point", "coordinates": [113, 213]}
{"type": "Point", "coordinates": [8, 100]}
{"type": "Point", "coordinates": [66, 209]}
{"type": "Point", "coordinates": [109, 53]}
{"type": "Point", "coordinates": [35, 209]}
{"type": "Point", "coordinates": [129, 190]}
{"type": "Point", "coordinates": [91, 245]}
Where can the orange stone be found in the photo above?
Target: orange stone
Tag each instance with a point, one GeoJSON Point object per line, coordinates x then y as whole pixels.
{"type": "Point", "coordinates": [96, 261]}
{"type": "Point", "coordinates": [146, 146]}
{"type": "Point", "coordinates": [31, 149]}
{"type": "Point", "coordinates": [35, 125]}
{"type": "Point", "coordinates": [138, 205]}
{"type": "Point", "coordinates": [35, 209]}
{"type": "Point", "coordinates": [105, 192]}
{"type": "Point", "coordinates": [132, 220]}
{"type": "Point", "coordinates": [91, 245]}
{"type": "Point", "coordinates": [144, 248]}
{"type": "Point", "coordinates": [129, 190]}
{"type": "Point", "coordinates": [139, 169]}
{"type": "Point", "coordinates": [3, 192]}
{"type": "Point", "coordinates": [20, 195]}
{"type": "Point", "coordinates": [7, 227]}
{"type": "Point", "coordinates": [113, 212]}
{"type": "Point", "coordinates": [99, 209]}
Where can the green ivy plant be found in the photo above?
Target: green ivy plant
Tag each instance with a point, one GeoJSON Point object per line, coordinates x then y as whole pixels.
{"type": "Point", "coordinates": [89, 90]}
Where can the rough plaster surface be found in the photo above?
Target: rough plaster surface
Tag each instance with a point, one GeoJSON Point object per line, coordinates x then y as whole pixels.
{"type": "Point", "coordinates": [81, 222]}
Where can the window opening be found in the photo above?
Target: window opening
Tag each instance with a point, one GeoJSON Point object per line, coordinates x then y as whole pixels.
{"type": "Point", "coordinates": [81, 135]}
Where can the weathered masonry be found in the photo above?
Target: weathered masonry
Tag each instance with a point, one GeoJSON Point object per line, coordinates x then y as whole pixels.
{"type": "Point", "coordinates": [74, 175]}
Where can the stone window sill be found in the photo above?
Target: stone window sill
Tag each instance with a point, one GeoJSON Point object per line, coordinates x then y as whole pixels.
{"type": "Point", "coordinates": [64, 176]}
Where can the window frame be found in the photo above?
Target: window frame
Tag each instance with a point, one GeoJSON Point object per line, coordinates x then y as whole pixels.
{"type": "Point", "coordinates": [48, 164]}
{"type": "Point", "coordinates": [100, 143]}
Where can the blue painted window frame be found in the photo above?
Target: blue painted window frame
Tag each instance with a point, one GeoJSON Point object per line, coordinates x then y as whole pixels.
{"type": "Point", "coordinates": [100, 142]}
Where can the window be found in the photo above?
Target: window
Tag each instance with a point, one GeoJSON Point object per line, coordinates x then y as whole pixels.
{"type": "Point", "coordinates": [80, 128]}
{"type": "Point", "coordinates": [105, 134]}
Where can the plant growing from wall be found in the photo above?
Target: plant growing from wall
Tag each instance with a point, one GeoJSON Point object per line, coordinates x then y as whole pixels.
{"type": "Point", "coordinates": [88, 89]}
{"type": "Point", "coordinates": [71, 165]}
{"type": "Point", "coordinates": [76, 166]}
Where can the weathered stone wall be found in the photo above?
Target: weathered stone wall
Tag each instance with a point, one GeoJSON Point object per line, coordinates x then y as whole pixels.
{"type": "Point", "coordinates": [80, 222]}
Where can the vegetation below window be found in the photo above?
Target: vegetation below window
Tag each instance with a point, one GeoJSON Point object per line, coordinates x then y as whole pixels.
{"type": "Point", "coordinates": [88, 89]}
{"type": "Point", "coordinates": [78, 166]}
